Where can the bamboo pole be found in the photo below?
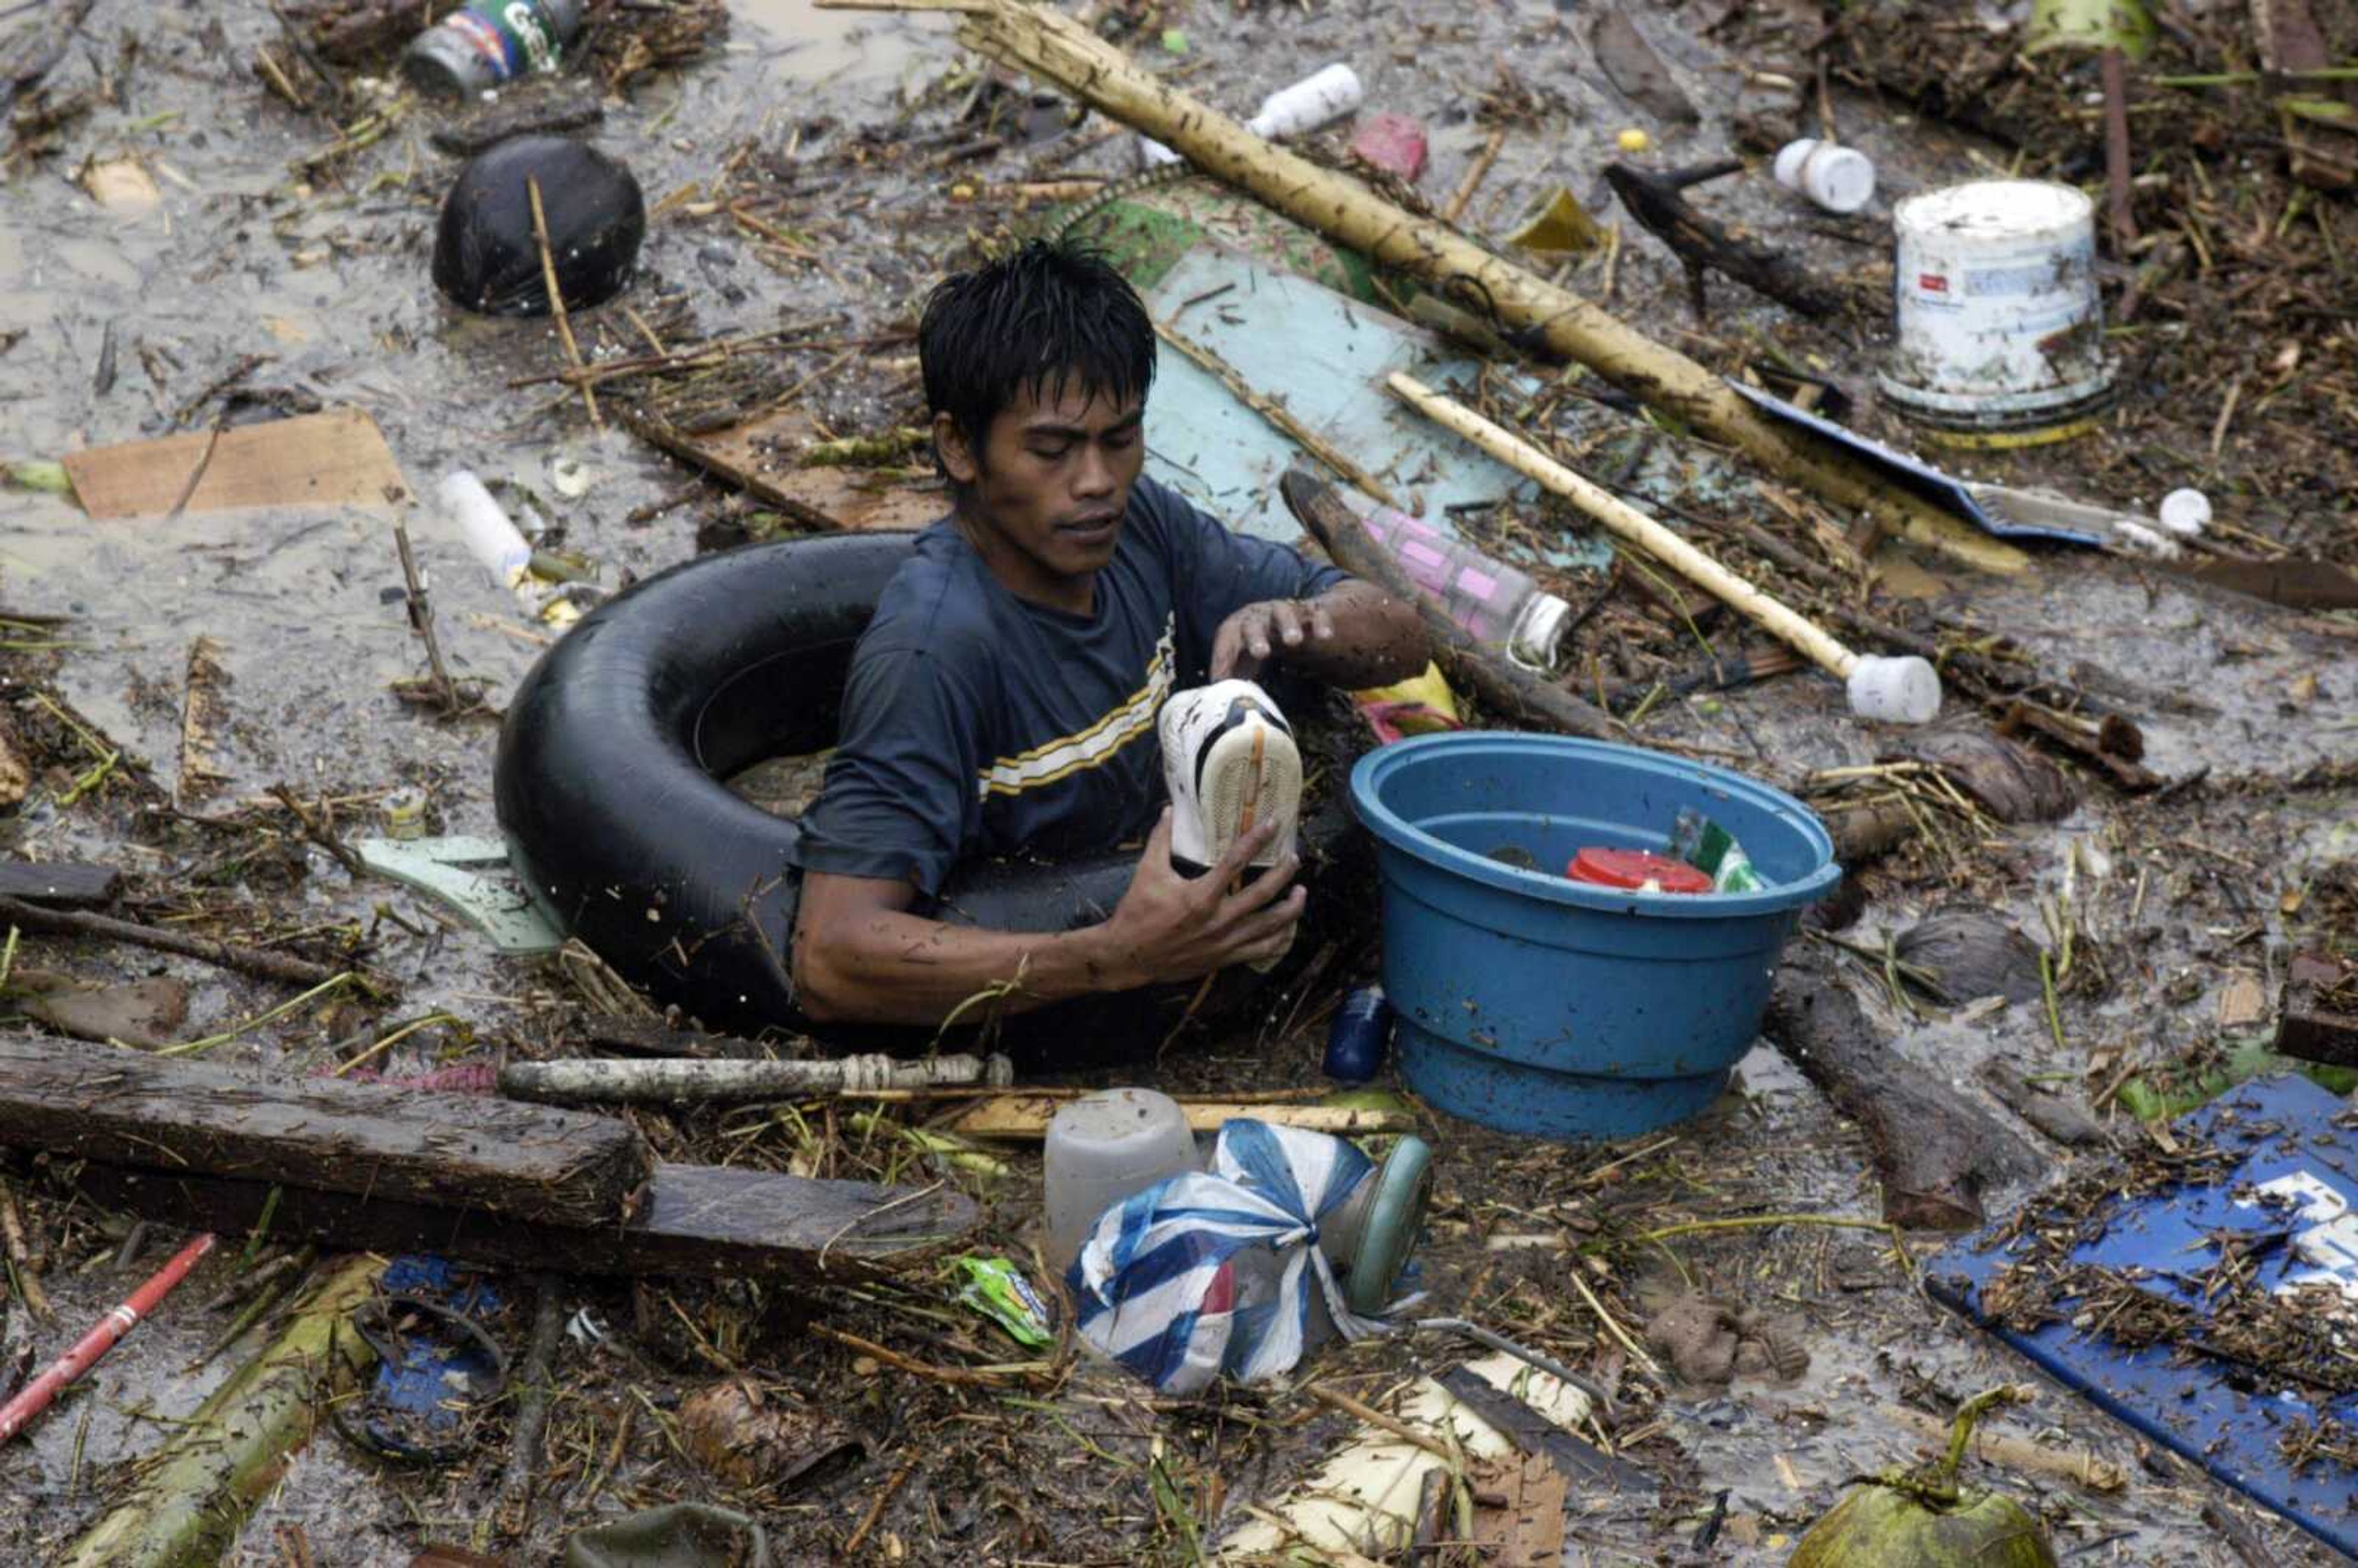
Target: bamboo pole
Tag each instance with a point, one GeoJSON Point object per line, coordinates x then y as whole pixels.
{"type": "Point", "coordinates": [191, 1495]}
{"type": "Point", "coordinates": [693, 1081]}
{"type": "Point", "coordinates": [1803, 635]}
{"type": "Point", "coordinates": [1052, 46]}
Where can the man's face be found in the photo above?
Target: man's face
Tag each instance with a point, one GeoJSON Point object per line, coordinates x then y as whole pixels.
{"type": "Point", "coordinates": [1053, 478]}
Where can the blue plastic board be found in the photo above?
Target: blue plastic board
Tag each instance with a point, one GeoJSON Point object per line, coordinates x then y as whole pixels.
{"type": "Point", "coordinates": [1942, 490]}
{"type": "Point", "coordinates": [2298, 1183]}
{"type": "Point", "coordinates": [1323, 357]}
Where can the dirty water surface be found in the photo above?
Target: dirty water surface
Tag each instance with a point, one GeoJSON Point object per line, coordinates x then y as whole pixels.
{"type": "Point", "coordinates": [320, 270]}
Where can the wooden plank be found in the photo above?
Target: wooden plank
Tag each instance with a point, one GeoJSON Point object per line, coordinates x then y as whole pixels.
{"type": "Point", "coordinates": [760, 457]}
{"type": "Point", "coordinates": [1026, 1116]}
{"type": "Point", "coordinates": [2318, 1021]}
{"type": "Point", "coordinates": [703, 1221]}
{"type": "Point", "coordinates": [1519, 1513]}
{"type": "Point", "coordinates": [334, 459]}
{"type": "Point", "coordinates": [63, 884]}
{"type": "Point", "coordinates": [532, 1162]}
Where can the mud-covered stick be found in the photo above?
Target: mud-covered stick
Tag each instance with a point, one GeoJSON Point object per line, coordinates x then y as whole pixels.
{"type": "Point", "coordinates": [699, 1082]}
{"type": "Point", "coordinates": [254, 961]}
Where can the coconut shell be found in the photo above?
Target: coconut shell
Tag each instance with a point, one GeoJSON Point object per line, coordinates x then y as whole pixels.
{"type": "Point", "coordinates": [486, 256]}
{"type": "Point", "coordinates": [1881, 1526]}
{"type": "Point", "coordinates": [733, 1430]}
{"type": "Point", "coordinates": [1971, 952]}
{"type": "Point", "coordinates": [2012, 783]}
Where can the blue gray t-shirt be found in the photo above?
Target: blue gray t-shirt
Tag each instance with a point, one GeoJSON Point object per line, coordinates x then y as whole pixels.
{"type": "Point", "coordinates": [978, 723]}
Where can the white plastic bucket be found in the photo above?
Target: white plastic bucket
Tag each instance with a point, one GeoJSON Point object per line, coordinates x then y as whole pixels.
{"type": "Point", "coordinates": [2000, 327]}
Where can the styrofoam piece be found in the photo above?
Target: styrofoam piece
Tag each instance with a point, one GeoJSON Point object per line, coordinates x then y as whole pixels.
{"type": "Point", "coordinates": [2144, 541]}
{"type": "Point", "coordinates": [1838, 179]}
{"type": "Point", "coordinates": [1366, 1495]}
{"type": "Point", "coordinates": [1904, 691]}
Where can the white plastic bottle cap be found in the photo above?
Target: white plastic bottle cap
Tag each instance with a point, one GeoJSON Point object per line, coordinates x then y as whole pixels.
{"type": "Point", "coordinates": [1538, 634]}
{"type": "Point", "coordinates": [1838, 179]}
{"type": "Point", "coordinates": [1895, 691]}
{"type": "Point", "coordinates": [2185, 512]}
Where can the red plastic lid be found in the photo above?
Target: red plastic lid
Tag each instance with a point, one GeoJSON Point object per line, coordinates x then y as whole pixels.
{"type": "Point", "coordinates": [1634, 869]}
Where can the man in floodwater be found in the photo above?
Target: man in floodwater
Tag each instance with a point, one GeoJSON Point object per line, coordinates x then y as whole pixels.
{"type": "Point", "coordinates": [1004, 699]}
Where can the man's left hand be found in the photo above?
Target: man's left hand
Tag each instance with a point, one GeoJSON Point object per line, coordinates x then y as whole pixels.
{"type": "Point", "coordinates": [1250, 638]}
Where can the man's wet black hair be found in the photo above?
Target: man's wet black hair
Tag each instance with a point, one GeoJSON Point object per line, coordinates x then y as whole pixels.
{"type": "Point", "coordinates": [1039, 321]}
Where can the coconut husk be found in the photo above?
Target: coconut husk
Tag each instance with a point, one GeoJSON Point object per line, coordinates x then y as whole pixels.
{"type": "Point", "coordinates": [1971, 952]}
{"type": "Point", "coordinates": [738, 1433]}
{"type": "Point", "coordinates": [2010, 782]}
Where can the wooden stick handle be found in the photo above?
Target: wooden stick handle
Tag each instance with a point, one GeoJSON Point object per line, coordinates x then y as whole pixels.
{"type": "Point", "coordinates": [1803, 634]}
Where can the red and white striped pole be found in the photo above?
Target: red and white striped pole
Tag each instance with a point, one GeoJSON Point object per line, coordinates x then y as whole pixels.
{"type": "Point", "coordinates": [18, 1413]}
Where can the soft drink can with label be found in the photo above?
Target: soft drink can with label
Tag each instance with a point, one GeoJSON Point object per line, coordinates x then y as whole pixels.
{"type": "Point", "coordinates": [490, 43]}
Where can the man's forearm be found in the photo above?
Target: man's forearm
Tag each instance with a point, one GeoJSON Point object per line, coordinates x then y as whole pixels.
{"type": "Point", "coordinates": [897, 967]}
{"type": "Point", "coordinates": [1378, 639]}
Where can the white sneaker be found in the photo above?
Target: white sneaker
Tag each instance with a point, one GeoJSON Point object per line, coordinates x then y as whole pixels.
{"type": "Point", "coordinates": [1230, 758]}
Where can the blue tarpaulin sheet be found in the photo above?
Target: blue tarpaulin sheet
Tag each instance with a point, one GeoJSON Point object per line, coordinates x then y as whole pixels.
{"type": "Point", "coordinates": [2296, 1188]}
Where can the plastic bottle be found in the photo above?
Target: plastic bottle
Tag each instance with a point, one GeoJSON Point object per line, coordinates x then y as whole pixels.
{"type": "Point", "coordinates": [1838, 179]}
{"type": "Point", "coordinates": [1103, 1148]}
{"type": "Point", "coordinates": [485, 526]}
{"type": "Point", "coordinates": [495, 542]}
{"type": "Point", "coordinates": [1495, 603]}
{"type": "Point", "coordinates": [1323, 96]}
{"type": "Point", "coordinates": [489, 44]}
{"type": "Point", "coordinates": [1361, 1035]}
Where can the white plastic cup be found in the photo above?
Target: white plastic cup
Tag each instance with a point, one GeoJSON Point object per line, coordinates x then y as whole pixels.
{"type": "Point", "coordinates": [1904, 691]}
{"type": "Point", "coordinates": [1838, 179]}
{"type": "Point", "coordinates": [1323, 96]}
{"type": "Point", "coordinates": [483, 525]}
{"type": "Point", "coordinates": [1103, 1148]}
{"type": "Point", "coordinates": [2185, 512]}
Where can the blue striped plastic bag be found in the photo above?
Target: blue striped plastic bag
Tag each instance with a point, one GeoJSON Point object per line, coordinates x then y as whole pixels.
{"type": "Point", "coordinates": [1212, 1273]}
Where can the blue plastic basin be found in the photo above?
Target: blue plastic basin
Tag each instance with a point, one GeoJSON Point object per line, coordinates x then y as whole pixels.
{"type": "Point", "coordinates": [1542, 1006]}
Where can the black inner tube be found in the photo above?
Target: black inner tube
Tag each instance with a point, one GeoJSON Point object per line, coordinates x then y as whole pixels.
{"type": "Point", "coordinates": [608, 791]}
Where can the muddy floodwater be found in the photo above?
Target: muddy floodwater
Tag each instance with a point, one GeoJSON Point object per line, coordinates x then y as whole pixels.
{"type": "Point", "coordinates": [303, 283]}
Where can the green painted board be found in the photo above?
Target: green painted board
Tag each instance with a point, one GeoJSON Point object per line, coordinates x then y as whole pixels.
{"type": "Point", "coordinates": [1324, 358]}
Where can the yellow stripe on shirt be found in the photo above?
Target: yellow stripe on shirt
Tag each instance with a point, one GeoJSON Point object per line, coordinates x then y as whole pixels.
{"type": "Point", "coordinates": [1093, 747]}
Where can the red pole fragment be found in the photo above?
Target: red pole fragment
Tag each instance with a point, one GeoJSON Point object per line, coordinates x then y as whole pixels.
{"type": "Point", "coordinates": [36, 1396]}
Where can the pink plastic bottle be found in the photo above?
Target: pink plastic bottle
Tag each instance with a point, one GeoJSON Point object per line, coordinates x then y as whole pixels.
{"type": "Point", "coordinates": [1496, 603]}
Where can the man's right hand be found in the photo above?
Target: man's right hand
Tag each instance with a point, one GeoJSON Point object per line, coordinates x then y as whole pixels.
{"type": "Point", "coordinates": [1169, 927]}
